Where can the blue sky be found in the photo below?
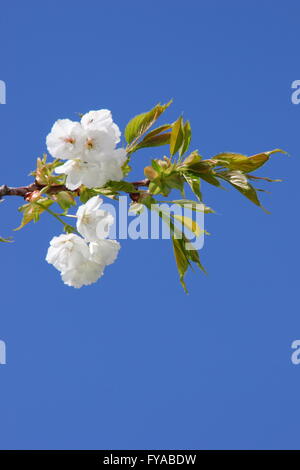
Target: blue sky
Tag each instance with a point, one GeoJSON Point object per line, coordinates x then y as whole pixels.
{"type": "Point", "coordinates": [132, 362]}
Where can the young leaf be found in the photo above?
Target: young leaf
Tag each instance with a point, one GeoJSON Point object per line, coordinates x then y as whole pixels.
{"type": "Point", "coordinates": [123, 186]}
{"type": "Point", "coordinates": [210, 178]}
{"type": "Point", "coordinates": [110, 190]}
{"type": "Point", "coordinates": [194, 183]}
{"type": "Point", "coordinates": [193, 255]}
{"type": "Point", "coordinates": [239, 181]}
{"type": "Point", "coordinates": [140, 124]}
{"type": "Point", "coordinates": [187, 135]}
{"type": "Point", "coordinates": [189, 223]}
{"type": "Point", "coordinates": [194, 157]}
{"type": "Point", "coordinates": [155, 138]}
{"type": "Point", "coordinates": [155, 141]}
{"type": "Point", "coordinates": [176, 136]}
{"type": "Point", "coordinates": [65, 199]}
{"type": "Point", "coordinates": [182, 261]}
{"type": "Point", "coordinates": [193, 165]}
{"type": "Point", "coordinates": [236, 161]}
{"type": "Point", "coordinates": [184, 258]}
{"type": "Point", "coordinates": [32, 211]}
{"type": "Point", "coordinates": [6, 240]}
{"type": "Point", "coordinates": [156, 166]}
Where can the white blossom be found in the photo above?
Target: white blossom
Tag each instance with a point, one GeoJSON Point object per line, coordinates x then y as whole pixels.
{"type": "Point", "coordinates": [92, 174]}
{"type": "Point", "coordinates": [81, 261]}
{"type": "Point", "coordinates": [104, 251]}
{"type": "Point", "coordinates": [98, 144]}
{"type": "Point", "coordinates": [67, 252]}
{"type": "Point", "coordinates": [112, 166]}
{"type": "Point", "coordinates": [92, 160]}
{"type": "Point", "coordinates": [93, 223]}
{"type": "Point", "coordinates": [84, 275]}
{"type": "Point", "coordinates": [65, 140]}
{"type": "Point", "coordinates": [70, 254]}
{"type": "Point", "coordinates": [99, 120]}
{"type": "Point", "coordinates": [89, 148]}
{"type": "Point", "coordinates": [79, 172]}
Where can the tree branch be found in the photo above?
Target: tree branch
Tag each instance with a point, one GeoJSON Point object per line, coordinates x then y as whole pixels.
{"type": "Point", "coordinates": [135, 196]}
{"type": "Point", "coordinates": [24, 191]}
{"type": "Point", "coordinates": [144, 182]}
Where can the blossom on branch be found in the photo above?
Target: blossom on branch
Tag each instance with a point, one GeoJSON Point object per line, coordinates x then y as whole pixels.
{"type": "Point", "coordinates": [67, 252]}
{"type": "Point", "coordinates": [65, 140]}
{"type": "Point", "coordinates": [89, 148]}
{"type": "Point", "coordinates": [93, 223]}
{"type": "Point", "coordinates": [87, 157]}
{"type": "Point", "coordinates": [105, 251]}
{"type": "Point", "coordinates": [81, 261]}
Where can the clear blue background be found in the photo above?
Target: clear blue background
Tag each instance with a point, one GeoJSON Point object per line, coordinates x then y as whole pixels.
{"type": "Point", "coordinates": [132, 362]}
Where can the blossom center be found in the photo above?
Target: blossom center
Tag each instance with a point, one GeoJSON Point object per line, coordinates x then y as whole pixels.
{"type": "Point", "coordinates": [89, 144]}
{"type": "Point", "coordinates": [86, 219]}
{"type": "Point", "coordinates": [69, 140]}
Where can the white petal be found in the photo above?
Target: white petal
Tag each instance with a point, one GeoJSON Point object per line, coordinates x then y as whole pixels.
{"type": "Point", "coordinates": [84, 275]}
{"type": "Point", "coordinates": [96, 119]}
{"type": "Point", "coordinates": [67, 252]}
{"type": "Point", "coordinates": [93, 223]}
{"type": "Point", "coordinates": [65, 139]}
{"type": "Point", "coordinates": [93, 203]}
{"type": "Point", "coordinates": [104, 251]}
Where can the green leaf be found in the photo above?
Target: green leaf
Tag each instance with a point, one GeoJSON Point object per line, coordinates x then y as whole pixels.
{"type": "Point", "coordinates": [184, 258]}
{"type": "Point", "coordinates": [44, 172]}
{"type": "Point", "coordinates": [155, 138]}
{"type": "Point", "coordinates": [110, 190]}
{"type": "Point", "coordinates": [264, 178]}
{"type": "Point", "coordinates": [182, 261]}
{"type": "Point", "coordinates": [158, 130]}
{"type": "Point", "coordinates": [210, 178]}
{"type": "Point", "coordinates": [164, 177]}
{"type": "Point", "coordinates": [199, 167]}
{"type": "Point", "coordinates": [194, 166]}
{"type": "Point", "coordinates": [121, 186]}
{"type": "Point", "coordinates": [158, 186]}
{"type": "Point", "coordinates": [126, 168]}
{"type": "Point", "coordinates": [32, 211]}
{"type": "Point", "coordinates": [156, 166]}
{"type": "Point", "coordinates": [236, 161]}
{"type": "Point", "coordinates": [189, 223]}
{"type": "Point", "coordinates": [239, 181]}
{"type": "Point", "coordinates": [187, 135]}
{"type": "Point", "coordinates": [65, 199]}
{"type": "Point", "coordinates": [6, 240]}
{"type": "Point", "coordinates": [155, 141]}
{"type": "Point", "coordinates": [140, 124]}
{"type": "Point", "coordinates": [194, 157]}
{"type": "Point", "coordinates": [194, 183]}
{"type": "Point", "coordinates": [176, 136]}
{"type": "Point", "coordinates": [193, 255]}
{"type": "Point", "coordinates": [86, 194]}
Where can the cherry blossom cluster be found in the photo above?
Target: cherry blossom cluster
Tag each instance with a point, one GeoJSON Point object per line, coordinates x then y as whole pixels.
{"type": "Point", "coordinates": [89, 146]}
{"type": "Point", "coordinates": [81, 261]}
